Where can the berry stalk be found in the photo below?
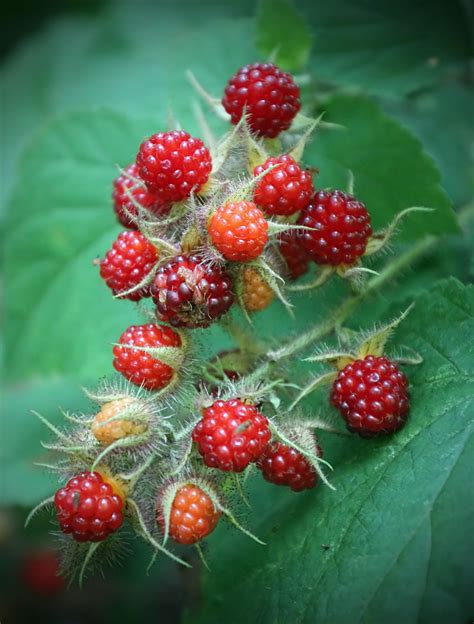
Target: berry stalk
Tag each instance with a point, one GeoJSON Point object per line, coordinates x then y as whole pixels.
{"type": "Point", "coordinates": [339, 316]}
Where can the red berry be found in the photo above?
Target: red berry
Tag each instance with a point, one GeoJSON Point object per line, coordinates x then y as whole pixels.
{"type": "Point", "coordinates": [372, 396]}
{"type": "Point", "coordinates": [341, 228]}
{"type": "Point", "coordinates": [231, 374]}
{"type": "Point", "coordinates": [173, 164]}
{"type": "Point", "coordinates": [284, 465]}
{"type": "Point", "coordinates": [189, 293]}
{"type": "Point", "coordinates": [130, 260]}
{"type": "Point", "coordinates": [193, 515]}
{"type": "Point", "coordinates": [89, 507]}
{"type": "Point", "coordinates": [295, 255]}
{"type": "Point", "coordinates": [269, 96]}
{"type": "Point", "coordinates": [285, 189]}
{"type": "Point", "coordinates": [123, 203]}
{"type": "Point", "coordinates": [40, 573]}
{"type": "Point", "coordinates": [239, 231]}
{"type": "Point", "coordinates": [231, 435]}
{"type": "Point", "coordinates": [140, 367]}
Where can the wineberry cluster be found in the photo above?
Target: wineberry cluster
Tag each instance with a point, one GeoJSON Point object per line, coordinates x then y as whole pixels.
{"type": "Point", "coordinates": [172, 435]}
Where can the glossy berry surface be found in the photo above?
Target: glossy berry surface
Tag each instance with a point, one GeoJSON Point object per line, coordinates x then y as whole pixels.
{"type": "Point", "coordinates": [127, 263]}
{"type": "Point", "coordinates": [283, 465]}
{"type": "Point", "coordinates": [124, 207]}
{"type": "Point", "coordinates": [188, 293]}
{"type": "Point", "coordinates": [40, 572]}
{"type": "Point", "coordinates": [270, 97]}
{"type": "Point", "coordinates": [284, 190]}
{"type": "Point", "coordinates": [372, 396]}
{"type": "Point", "coordinates": [140, 367]}
{"type": "Point", "coordinates": [231, 435]}
{"type": "Point", "coordinates": [295, 255]}
{"type": "Point", "coordinates": [107, 431]}
{"type": "Point", "coordinates": [193, 515]}
{"type": "Point", "coordinates": [89, 508]}
{"type": "Point", "coordinates": [239, 231]}
{"type": "Point", "coordinates": [173, 164]}
{"type": "Point", "coordinates": [341, 228]}
{"type": "Point", "coordinates": [256, 293]}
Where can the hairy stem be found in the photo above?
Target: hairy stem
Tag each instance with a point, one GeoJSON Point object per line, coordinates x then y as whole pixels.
{"type": "Point", "coordinates": [345, 309]}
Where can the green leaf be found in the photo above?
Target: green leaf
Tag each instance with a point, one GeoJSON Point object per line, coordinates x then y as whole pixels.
{"type": "Point", "coordinates": [442, 120]}
{"type": "Point", "coordinates": [58, 307]}
{"type": "Point", "coordinates": [393, 542]}
{"type": "Point", "coordinates": [23, 483]}
{"type": "Point", "coordinates": [391, 170]}
{"type": "Point", "coordinates": [385, 47]}
{"type": "Point", "coordinates": [282, 31]}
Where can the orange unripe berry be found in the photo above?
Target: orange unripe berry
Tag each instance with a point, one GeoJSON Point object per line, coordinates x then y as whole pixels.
{"type": "Point", "coordinates": [256, 293]}
{"type": "Point", "coordinates": [193, 515]}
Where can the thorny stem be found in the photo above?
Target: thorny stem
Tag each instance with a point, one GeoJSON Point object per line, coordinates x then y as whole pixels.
{"type": "Point", "coordinates": [345, 309]}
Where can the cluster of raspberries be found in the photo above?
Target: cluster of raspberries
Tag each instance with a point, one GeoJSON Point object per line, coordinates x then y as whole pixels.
{"type": "Point", "coordinates": [193, 279]}
{"type": "Point", "coordinates": [197, 285]}
{"type": "Point", "coordinates": [230, 436]}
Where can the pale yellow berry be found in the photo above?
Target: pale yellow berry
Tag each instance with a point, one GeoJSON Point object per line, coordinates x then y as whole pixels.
{"type": "Point", "coordinates": [108, 432]}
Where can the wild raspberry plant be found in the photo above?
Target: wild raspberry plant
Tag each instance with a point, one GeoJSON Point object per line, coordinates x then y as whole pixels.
{"type": "Point", "coordinates": [216, 233]}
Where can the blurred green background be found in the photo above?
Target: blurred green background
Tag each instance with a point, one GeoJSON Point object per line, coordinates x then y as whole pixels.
{"type": "Point", "coordinates": [82, 83]}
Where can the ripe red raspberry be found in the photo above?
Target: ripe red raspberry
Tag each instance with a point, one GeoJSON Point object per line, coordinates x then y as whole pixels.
{"type": "Point", "coordinates": [40, 572]}
{"type": "Point", "coordinates": [270, 97]}
{"type": "Point", "coordinates": [188, 293]}
{"type": "Point", "coordinates": [295, 255]}
{"type": "Point", "coordinates": [342, 228]}
{"type": "Point", "coordinates": [89, 507]}
{"type": "Point", "coordinates": [139, 192]}
{"type": "Point", "coordinates": [231, 435]}
{"type": "Point", "coordinates": [193, 515]}
{"type": "Point", "coordinates": [172, 164]}
{"type": "Point", "coordinates": [239, 231]}
{"type": "Point", "coordinates": [372, 396]}
{"type": "Point", "coordinates": [130, 260]}
{"type": "Point", "coordinates": [256, 293]}
{"type": "Point", "coordinates": [140, 367]}
{"type": "Point", "coordinates": [285, 189]}
{"type": "Point", "coordinates": [283, 465]}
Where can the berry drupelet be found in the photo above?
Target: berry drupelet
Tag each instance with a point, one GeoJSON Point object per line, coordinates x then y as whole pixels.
{"type": "Point", "coordinates": [124, 207]}
{"type": "Point", "coordinates": [89, 507]}
{"type": "Point", "coordinates": [239, 231]}
{"type": "Point", "coordinates": [256, 293]}
{"type": "Point", "coordinates": [127, 264]}
{"type": "Point", "coordinates": [173, 164]}
{"type": "Point", "coordinates": [107, 431]}
{"type": "Point", "coordinates": [269, 96]}
{"type": "Point", "coordinates": [341, 228]}
{"type": "Point", "coordinates": [140, 367]}
{"type": "Point", "coordinates": [189, 293]}
{"type": "Point", "coordinates": [231, 435]}
{"type": "Point", "coordinates": [295, 255]}
{"type": "Point", "coordinates": [283, 465]}
{"type": "Point", "coordinates": [372, 396]}
{"type": "Point", "coordinates": [284, 190]}
{"type": "Point", "coordinates": [193, 515]}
